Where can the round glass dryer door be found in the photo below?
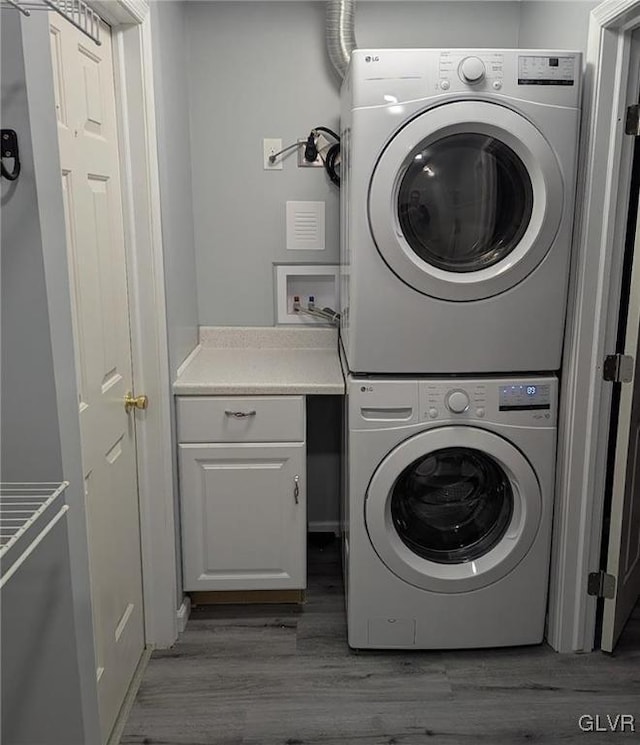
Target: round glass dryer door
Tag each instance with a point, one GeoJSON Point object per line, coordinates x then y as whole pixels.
{"type": "Point", "coordinates": [453, 509]}
{"type": "Point", "coordinates": [465, 201]}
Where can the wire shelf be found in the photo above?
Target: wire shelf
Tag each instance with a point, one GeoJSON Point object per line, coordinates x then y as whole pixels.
{"type": "Point", "coordinates": [21, 505]}
{"type": "Point", "coordinates": [77, 12]}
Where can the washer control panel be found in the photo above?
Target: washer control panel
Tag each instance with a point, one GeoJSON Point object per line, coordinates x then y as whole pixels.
{"type": "Point", "coordinates": [525, 397]}
{"type": "Point", "coordinates": [526, 400]}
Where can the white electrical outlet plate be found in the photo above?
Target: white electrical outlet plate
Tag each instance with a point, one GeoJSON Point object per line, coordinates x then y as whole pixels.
{"type": "Point", "coordinates": [271, 147]}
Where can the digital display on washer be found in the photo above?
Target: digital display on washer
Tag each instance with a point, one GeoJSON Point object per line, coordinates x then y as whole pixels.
{"type": "Point", "coordinates": [524, 397]}
{"type": "Point", "coordinates": [546, 70]}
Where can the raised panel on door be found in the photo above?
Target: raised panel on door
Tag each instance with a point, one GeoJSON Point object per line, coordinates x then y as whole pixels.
{"type": "Point", "coordinates": [243, 516]}
{"type": "Point", "coordinates": [87, 134]}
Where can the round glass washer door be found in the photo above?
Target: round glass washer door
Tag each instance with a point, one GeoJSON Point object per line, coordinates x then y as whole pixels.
{"type": "Point", "coordinates": [465, 201]}
{"type": "Point", "coordinates": [453, 509]}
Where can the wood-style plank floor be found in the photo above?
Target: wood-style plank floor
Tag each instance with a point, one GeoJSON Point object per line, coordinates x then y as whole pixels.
{"type": "Point", "coordinates": [279, 676]}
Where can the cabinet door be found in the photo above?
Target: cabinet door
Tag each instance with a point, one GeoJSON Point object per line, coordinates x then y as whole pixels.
{"type": "Point", "coordinates": [243, 516]}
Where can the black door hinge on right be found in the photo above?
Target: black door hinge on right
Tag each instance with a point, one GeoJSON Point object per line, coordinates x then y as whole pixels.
{"type": "Point", "coordinates": [618, 368]}
{"type": "Point", "coordinates": [632, 122]}
{"type": "Point", "coordinates": [601, 585]}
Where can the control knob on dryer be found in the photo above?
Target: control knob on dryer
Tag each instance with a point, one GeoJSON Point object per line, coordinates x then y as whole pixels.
{"type": "Point", "coordinates": [457, 401]}
{"type": "Point", "coordinates": [472, 70]}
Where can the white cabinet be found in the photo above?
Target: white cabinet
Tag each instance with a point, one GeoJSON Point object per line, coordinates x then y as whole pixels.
{"type": "Point", "coordinates": [242, 492]}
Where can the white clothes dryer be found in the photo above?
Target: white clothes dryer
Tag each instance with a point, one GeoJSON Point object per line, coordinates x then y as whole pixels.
{"type": "Point", "coordinates": [457, 209]}
{"type": "Point", "coordinates": [448, 511]}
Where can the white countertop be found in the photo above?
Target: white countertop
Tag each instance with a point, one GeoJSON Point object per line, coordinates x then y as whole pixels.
{"type": "Point", "coordinates": [278, 360]}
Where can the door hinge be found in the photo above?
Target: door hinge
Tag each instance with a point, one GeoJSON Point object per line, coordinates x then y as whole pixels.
{"type": "Point", "coordinates": [632, 122]}
{"type": "Point", "coordinates": [601, 584]}
{"type": "Point", "coordinates": [618, 368]}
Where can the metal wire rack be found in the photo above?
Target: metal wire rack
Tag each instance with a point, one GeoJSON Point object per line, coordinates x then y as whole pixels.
{"type": "Point", "coordinates": [78, 13]}
{"type": "Point", "coordinates": [25, 508]}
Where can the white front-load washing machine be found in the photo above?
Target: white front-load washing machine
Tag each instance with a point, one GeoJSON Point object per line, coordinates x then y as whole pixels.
{"type": "Point", "coordinates": [448, 510]}
{"type": "Point", "coordinates": [457, 208]}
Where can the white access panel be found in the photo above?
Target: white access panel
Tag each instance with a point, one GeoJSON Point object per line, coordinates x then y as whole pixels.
{"type": "Point", "coordinates": [305, 226]}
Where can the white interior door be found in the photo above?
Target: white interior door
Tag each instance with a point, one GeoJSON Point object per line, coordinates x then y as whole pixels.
{"type": "Point", "coordinates": [623, 561]}
{"type": "Point", "coordinates": [86, 113]}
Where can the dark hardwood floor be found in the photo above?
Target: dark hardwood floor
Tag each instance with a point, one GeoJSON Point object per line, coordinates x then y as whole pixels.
{"type": "Point", "coordinates": [275, 675]}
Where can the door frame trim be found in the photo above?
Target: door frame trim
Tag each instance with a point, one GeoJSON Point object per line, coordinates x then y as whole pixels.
{"type": "Point", "coordinates": [133, 66]}
{"type": "Point", "coordinates": [591, 325]}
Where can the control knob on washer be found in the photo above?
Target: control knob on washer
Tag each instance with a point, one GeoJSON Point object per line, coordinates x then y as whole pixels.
{"type": "Point", "coordinates": [472, 70]}
{"type": "Point", "coordinates": [457, 402]}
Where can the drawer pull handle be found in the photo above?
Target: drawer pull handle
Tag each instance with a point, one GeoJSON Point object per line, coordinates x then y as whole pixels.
{"type": "Point", "coordinates": [296, 489]}
{"type": "Point", "coordinates": [240, 414]}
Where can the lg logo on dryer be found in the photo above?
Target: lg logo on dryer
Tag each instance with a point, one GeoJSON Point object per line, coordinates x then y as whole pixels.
{"type": "Point", "coordinates": [369, 58]}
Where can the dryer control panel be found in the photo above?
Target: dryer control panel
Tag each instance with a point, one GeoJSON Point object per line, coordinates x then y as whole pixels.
{"type": "Point", "coordinates": [546, 70]}
{"type": "Point", "coordinates": [391, 77]}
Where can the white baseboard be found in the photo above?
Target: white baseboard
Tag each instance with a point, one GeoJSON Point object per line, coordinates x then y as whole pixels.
{"type": "Point", "coordinates": [324, 526]}
{"type": "Point", "coordinates": [184, 611]}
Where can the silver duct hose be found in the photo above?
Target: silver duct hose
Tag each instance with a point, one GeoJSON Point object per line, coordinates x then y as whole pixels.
{"type": "Point", "coordinates": [341, 40]}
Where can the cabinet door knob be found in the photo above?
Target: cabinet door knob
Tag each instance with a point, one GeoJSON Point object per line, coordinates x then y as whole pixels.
{"type": "Point", "coordinates": [240, 414]}
{"type": "Point", "coordinates": [135, 402]}
{"type": "Point", "coordinates": [296, 489]}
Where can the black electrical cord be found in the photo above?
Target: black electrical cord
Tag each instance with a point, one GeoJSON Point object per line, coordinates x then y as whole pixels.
{"type": "Point", "coordinates": [331, 158]}
{"type": "Point", "coordinates": [328, 131]}
{"type": "Point", "coordinates": [330, 163]}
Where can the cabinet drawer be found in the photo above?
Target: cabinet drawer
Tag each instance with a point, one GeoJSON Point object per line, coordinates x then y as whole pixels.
{"type": "Point", "coordinates": [241, 419]}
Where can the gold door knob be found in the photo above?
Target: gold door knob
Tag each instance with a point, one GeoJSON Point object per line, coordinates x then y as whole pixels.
{"type": "Point", "coordinates": [135, 402]}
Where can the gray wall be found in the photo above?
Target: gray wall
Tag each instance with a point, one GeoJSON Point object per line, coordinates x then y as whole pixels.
{"type": "Point", "coordinates": [259, 69]}
{"type": "Point", "coordinates": [30, 438]}
{"type": "Point", "coordinates": [560, 25]}
{"type": "Point", "coordinates": [174, 159]}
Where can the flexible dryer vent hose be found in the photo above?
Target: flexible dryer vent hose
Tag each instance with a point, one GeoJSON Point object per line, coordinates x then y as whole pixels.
{"type": "Point", "coordinates": [341, 40]}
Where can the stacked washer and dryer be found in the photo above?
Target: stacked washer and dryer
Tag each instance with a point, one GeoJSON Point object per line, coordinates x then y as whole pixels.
{"type": "Point", "coordinates": [458, 171]}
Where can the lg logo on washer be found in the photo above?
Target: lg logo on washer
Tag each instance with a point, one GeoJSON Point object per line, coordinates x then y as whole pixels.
{"type": "Point", "coordinates": [369, 58]}
{"type": "Point", "coordinates": [366, 388]}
